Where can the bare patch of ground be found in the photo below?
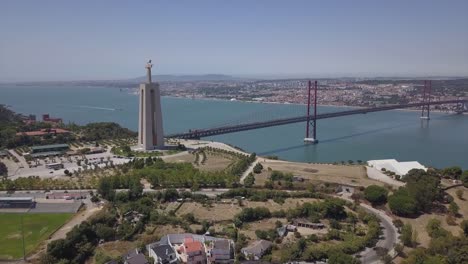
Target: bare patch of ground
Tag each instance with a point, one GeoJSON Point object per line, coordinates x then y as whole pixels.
{"type": "Point", "coordinates": [215, 162]}
{"type": "Point", "coordinates": [265, 224]}
{"type": "Point", "coordinates": [420, 223]}
{"type": "Point", "coordinates": [315, 173]}
{"type": "Point", "coordinates": [115, 248]}
{"type": "Point", "coordinates": [190, 158]}
{"type": "Point", "coordinates": [227, 209]}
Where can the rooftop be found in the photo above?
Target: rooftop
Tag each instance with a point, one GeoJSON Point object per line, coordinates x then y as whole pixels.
{"type": "Point", "coordinates": [258, 247]}
{"type": "Point", "coordinates": [222, 244]}
{"type": "Point", "coordinates": [193, 246]}
{"type": "Point", "coordinates": [400, 168]}
{"type": "Point", "coordinates": [163, 251]}
{"type": "Point", "coordinates": [50, 146]}
{"type": "Point", "coordinates": [16, 199]}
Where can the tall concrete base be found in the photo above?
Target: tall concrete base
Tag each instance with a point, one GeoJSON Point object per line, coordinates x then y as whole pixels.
{"type": "Point", "coordinates": [150, 127]}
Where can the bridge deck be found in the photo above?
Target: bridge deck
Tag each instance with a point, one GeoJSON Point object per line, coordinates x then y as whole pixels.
{"type": "Point", "coordinates": [290, 120]}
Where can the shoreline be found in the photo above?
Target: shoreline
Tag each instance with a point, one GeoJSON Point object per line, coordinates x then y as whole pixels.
{"type": "Point", "coordinates": [287, 103]}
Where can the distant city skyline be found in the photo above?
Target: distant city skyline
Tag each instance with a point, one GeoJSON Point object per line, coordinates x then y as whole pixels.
{"type": "Point", "coordinates": [102, 40]}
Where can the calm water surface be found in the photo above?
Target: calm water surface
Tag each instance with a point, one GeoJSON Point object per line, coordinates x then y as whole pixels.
{"type": "Point", "coordinates": [443, 141]}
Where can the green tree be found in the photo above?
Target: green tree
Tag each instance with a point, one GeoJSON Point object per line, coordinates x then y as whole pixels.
{"type": "Point", "coordinates": [376, 194]}
{"type": "Point", "coordinates": [258, 168]}
{"type": "Point", "coordinates": [249, 181]}
{"type": "Point", "coordinates": [401, 203]}
{"type": "Point", "coordinates": [105, 232]}
{"type": "Point", "coordinates": [459, 194]}
{"type": "Point", "coordinates": [464, 178]}
{"type": "Point", "coordinates": [105, 188]}
{"type": "Point", "coordinates": [338, 257]}
{"type": "Point", "coordinates": [452, 172]}
{"type": "Point", "coordinates": [407, 235]}
{"type": "Point", "coordinates": [423, 187]}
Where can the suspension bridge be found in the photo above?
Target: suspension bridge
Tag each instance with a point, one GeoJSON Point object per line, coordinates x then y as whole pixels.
{"type": "Point", "coordinates": [311, 118]}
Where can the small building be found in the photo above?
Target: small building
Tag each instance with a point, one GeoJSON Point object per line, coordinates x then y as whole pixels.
{"type": "Point", "coordinates": [3, 153]}
{"type": "Point", "coordinates": [222, 251]}
{"type": "Point", "coordinates": [49, 148]}
{"type": "Point", "coordinates": [282, 231]}
{"type": "Point", "coordinates": [17, 202]}
{"type": "Point", "coordinates": [162, 254]}
{"type": "Point", "coordinates": [399, 168]}
{"type": "Point", "coordinates": [43, 132]}
{"type": "Point", "coordinates": [134, 257]}
{"type": "Point", "coordinates": [345, 189]}
{"type": "Point", "coordinates": [301, 222]}
{"type": "Point", "coordinates": [67, 196]}
{"type": "Point", "coordinates": [256, 250]}
{"type": "Point", "coordinates": [54, 166]}
{"type": "Point", "coordinates": [298, 179]}
{"type": "Point", "coordinates": [48, 119]}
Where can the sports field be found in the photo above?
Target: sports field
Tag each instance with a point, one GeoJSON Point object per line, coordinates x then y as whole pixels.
{"type": "Point", "coordinates": [37, 227]}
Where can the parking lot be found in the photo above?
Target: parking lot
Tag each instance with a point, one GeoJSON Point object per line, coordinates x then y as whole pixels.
{"type": "Point", "coordinates": [22, 169]}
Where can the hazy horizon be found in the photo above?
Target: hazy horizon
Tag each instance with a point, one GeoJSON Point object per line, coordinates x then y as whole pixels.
{"type": "Point", "coordinates": [111, 40]}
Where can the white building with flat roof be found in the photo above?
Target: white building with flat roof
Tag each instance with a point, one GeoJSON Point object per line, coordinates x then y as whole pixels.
{"type": "Point", "coordinates": [399, 168]}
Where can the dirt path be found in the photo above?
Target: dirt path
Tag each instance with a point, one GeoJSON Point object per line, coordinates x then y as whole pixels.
{"type": "Point", "coordinates": [249, 170]}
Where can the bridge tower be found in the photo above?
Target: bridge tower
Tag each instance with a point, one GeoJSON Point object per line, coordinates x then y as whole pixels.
{"type": "Point", "coordinates": [311, 123]}
{"type": "Point", "coordinates": [461, 107]}
{"type": "Point", "coordinates": [427, 89]}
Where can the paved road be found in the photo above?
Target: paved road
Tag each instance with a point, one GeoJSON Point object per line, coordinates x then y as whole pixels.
{"type": "Point", "coordinates": [388, 239]}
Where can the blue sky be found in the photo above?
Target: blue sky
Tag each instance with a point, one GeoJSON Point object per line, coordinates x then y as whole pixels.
{"type": "Point", "coordinates": [75, 40]}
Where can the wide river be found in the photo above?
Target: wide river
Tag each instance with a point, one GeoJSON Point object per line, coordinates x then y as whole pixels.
{"type": "Point", "coordinates": [441, 142]}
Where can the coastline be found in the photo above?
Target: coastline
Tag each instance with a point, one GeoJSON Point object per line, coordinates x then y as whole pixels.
{"type": "Point", "coordinates": [287, 103]}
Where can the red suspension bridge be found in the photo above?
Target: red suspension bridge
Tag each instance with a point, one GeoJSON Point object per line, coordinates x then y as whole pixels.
{"type": "Point", "coordinates": [311, 118]}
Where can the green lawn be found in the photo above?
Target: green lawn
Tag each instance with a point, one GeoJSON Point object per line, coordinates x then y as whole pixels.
{"type": "Point", "coordinates": [37, 227]}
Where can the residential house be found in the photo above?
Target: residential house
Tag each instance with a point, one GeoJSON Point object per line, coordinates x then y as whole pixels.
{"type": "Point", "coordinates": [134, 257]}
{"type": "Point", "coordinates": [162, 254]}
{"type": "Point", "coordinates": [222, 251]}
{"type": "Point", "coordinates": [194, 251]}
{"type": "Point", "coordinates": [256, 250]}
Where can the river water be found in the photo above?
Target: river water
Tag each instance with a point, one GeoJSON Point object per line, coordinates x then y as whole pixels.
{"type": "Point", "coordinates": [440, 142]}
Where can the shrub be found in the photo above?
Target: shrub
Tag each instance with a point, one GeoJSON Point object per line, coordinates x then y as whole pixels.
{"type": "Point", "coordinates": [407, 235]}
{"type": "Point", "coordinates": [258, 168]}
{"type": "Point", "coordinates": [434, 229]}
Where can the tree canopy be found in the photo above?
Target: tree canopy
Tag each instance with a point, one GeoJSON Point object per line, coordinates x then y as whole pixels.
{"type": "Point", "coordinates": [376, 194]}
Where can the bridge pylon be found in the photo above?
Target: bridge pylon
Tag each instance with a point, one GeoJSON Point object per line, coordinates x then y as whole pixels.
{"type": "Point", "coordinates": [426, 108]}
{"type": "Point", "coordinates": [461, 107]}
{"type": "Point", "coordinates": [311, 123]}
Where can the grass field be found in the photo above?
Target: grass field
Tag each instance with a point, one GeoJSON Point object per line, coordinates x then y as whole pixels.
{"type": "Point", "coordinates": [37, 227]}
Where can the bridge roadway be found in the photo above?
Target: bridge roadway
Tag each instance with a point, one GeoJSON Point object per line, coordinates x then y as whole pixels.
{"type": "Point", "coordinates": [196, 134]}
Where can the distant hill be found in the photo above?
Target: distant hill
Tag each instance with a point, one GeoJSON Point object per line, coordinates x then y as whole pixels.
{"type": "Point", "coordinates": [175, 78]}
